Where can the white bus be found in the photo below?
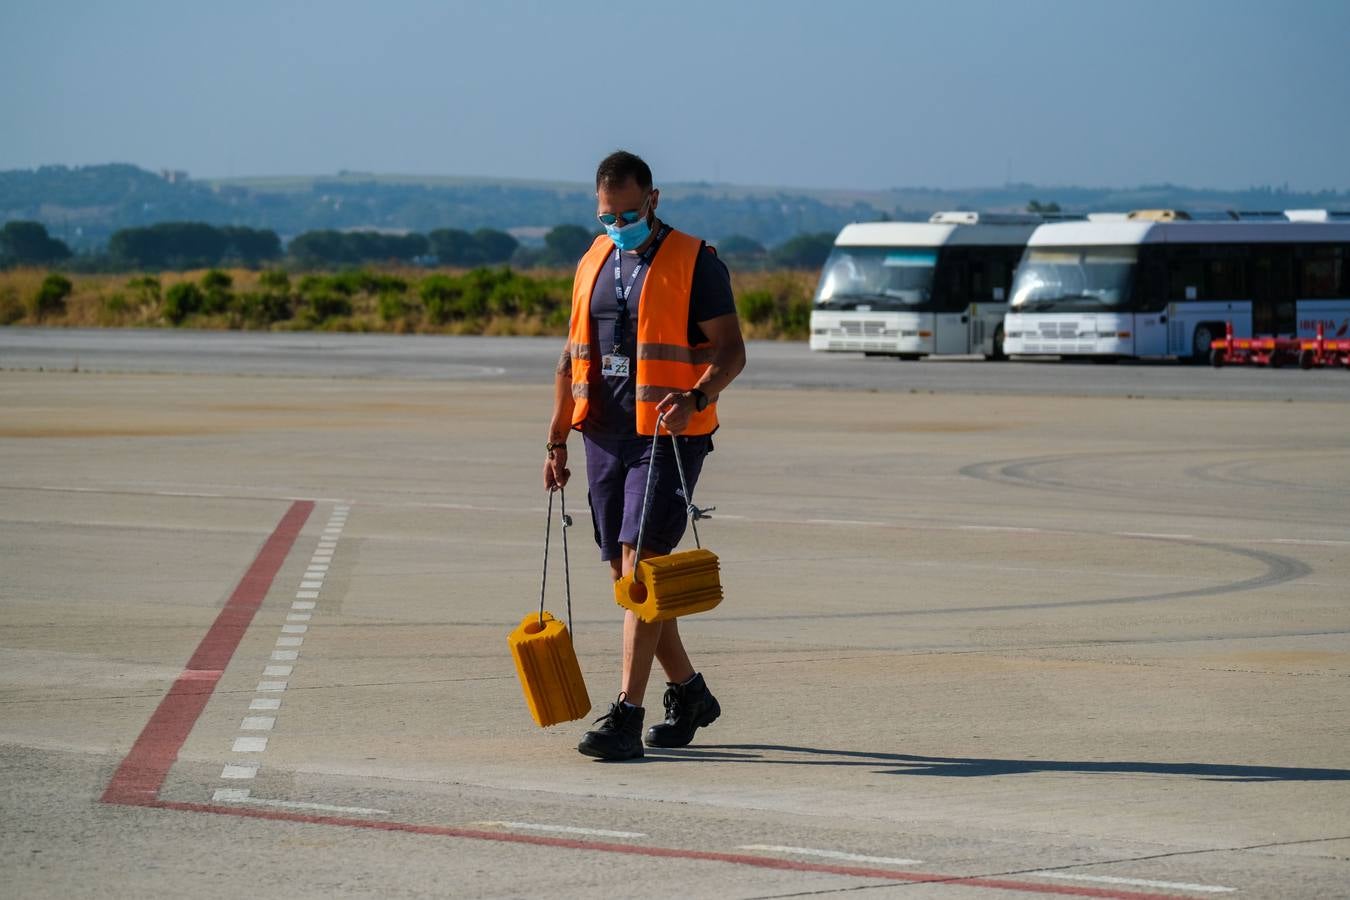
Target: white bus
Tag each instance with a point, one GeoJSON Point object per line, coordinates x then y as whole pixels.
{"type": "Point", "coordinates": [911, 289]}
{"type": "Point", "coordinates": [1160, 284]}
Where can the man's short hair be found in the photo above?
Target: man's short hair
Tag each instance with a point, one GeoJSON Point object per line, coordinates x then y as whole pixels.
{"type": "Point", "coordinates": [619, 167]}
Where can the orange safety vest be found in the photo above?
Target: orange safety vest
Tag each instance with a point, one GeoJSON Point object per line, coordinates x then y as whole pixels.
{"type": "Point", "coordinates": [666, 361]}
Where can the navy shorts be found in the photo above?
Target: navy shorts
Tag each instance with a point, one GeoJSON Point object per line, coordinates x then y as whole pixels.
{"type": "Point", "coordinates": [616, 471]}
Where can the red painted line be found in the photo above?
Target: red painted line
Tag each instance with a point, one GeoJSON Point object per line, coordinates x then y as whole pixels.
{"type": "Point", "coordinates": [141, 774]}
{"type": "Point", "coordinates": [740, 859]}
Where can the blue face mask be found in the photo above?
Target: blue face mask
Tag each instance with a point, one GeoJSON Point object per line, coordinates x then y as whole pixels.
{"type": "Point", "coordinates": [629, 237]}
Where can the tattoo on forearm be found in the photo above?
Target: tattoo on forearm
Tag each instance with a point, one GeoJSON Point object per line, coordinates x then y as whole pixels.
{"type": "Point", "coordinates": [565, 363]}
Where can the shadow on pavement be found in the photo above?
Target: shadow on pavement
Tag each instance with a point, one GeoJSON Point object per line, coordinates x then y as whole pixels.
{"type": "Point", "coordinates": [960, 767]}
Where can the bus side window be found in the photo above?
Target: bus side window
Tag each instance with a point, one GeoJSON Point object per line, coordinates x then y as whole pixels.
{"type": "Point", "coordinates": [979, 284]}
{"type": "Point", "coordinates": [1271, 286]}
{"type": "Point", "coordinates": [1150, 286]}
{"type": "Point", "coordinates": [1321, 272]}
{"type": "Point", "coordinates": [1184, 274]}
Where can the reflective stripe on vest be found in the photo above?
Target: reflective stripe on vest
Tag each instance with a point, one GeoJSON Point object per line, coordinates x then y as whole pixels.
{"type": "Point", "coordinates": [666, 362]}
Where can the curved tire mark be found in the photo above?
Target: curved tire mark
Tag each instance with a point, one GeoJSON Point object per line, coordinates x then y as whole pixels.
{"type": "Point", "coordinates": [1279, 569]}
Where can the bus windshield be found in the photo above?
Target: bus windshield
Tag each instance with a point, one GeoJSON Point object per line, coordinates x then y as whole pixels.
{"type": "Point", "coordinates": [877, 278]}
{"type": "Point", "coordinates": [1074, 279]}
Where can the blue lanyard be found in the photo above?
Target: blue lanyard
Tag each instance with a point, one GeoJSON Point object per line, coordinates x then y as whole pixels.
{"type": "Point", "coordinates": [621, 293]}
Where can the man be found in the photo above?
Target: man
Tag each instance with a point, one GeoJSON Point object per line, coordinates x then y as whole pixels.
{"type": "Point", "coordinates": [653, 331]}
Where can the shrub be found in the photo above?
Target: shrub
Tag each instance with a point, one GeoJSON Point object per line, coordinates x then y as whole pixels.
{"type": "Point", "coordinates": [393, 307]}
{"type": "Point", "coordinates": [216, 291]}
{"type": "Point", "coordinates": [258, 310]}
{"type": "Point", "coordinates": [440, 296]}
{"type": "Point", "coordinates": [147, 290]}
{"type": "Point", "coordinates": [275, 281]}
{"type": "Point", "coordinates": [182, 300]}
{"type": "Point", "coordinates": [11, 307]}
{"type": "Point", "coordinates": [327, 304]}
{"type": "Point", "coordinates": [216, 280]}
{"type": "Point", "coordinates": [757, 307]}
{"type": "Point", "coordinates": [50, 299]}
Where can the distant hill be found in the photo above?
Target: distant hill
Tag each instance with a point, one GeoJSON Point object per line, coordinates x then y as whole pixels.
{"type": "Point", "coordinates": [84, 205]}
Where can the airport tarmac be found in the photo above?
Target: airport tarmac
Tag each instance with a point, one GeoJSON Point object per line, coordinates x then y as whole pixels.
{"type": "Point", "coordinates": [974, 644]}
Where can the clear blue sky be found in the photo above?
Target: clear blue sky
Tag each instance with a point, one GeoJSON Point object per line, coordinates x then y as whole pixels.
{"type": "Point", "coordinates": [849, 94]}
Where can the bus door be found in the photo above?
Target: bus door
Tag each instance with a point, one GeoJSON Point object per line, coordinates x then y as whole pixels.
{"type": "Point", "coordinates": [1150, 334]}
{"type": "Point", "coordinates": [1270, 282]}
{"type": "Point", "coordinates": [953, 332]}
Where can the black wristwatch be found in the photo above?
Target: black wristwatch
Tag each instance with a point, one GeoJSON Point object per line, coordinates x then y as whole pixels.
{"type": "Point", "coordinates": [700, 400]}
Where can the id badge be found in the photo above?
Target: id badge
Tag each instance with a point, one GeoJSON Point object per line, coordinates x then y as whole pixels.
{"type": "Point", "coordinates": [614, 366]}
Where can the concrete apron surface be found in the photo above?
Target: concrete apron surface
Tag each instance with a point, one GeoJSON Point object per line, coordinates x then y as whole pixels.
{"type": "Point", "coordinates": [253, 639]}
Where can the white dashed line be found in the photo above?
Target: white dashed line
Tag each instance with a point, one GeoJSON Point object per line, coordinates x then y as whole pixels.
{"type": "Point", "coordinates": [845, 522]}
{"type": "Point", "coordinates": [1138, 882]}
{"type": "Point", "coordinates": [565, 829]}
{"type": "Point", "coordinates": [832, 854]}
{"type": "Point", "coordinates": [291, 637]}
{"type": "Point", "coordinates": [1146, 534]}
{"type": "Point", "coordinates": [318, 807]}
{"type": "Point", "coordinates": [230, 795]}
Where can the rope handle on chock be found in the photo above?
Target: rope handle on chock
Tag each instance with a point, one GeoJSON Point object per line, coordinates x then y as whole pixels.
{"type": "Point", "coordinates": [694, 512]}
{"type": "Point", "coordinates": [567, 568]}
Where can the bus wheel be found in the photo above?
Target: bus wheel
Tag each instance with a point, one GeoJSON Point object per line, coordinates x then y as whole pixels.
{"type": "Point", "coordinates": [911, 357]}
{"type": "Point", "coordinates": [998, 355]}
{"type": "Point", "coordinates": [1217, 358]}
{"type": "Point", "coordinates": [1205, 334]}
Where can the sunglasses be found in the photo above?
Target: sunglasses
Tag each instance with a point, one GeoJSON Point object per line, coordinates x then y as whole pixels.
{"type": "Point", "coordinates": [628, 217]}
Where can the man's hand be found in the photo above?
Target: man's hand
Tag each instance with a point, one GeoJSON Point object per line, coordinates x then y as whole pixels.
{"type": "Point", "coordinates": [678, 409]}
{"type": "Point", "coordinates": [556, 472]}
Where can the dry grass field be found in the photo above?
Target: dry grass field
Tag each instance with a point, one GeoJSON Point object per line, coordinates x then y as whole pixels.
{"type": "Point", "coordinates": [773, 304]}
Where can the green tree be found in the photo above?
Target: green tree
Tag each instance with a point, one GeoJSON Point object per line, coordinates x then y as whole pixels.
{"type": "Point", "coordinates": [805, 251]}
{"type": "Point", "coordinates": [566, 243]}
{"type": "Point", "coordinates": [1036, 206]}
{"type": "Point", "coordinates": [170, 245]}
{"type": "Point", "coordinates": [252, 246]}
{"type": "Point", "coordinates": [454, 247]}
{"type": "Point", "coordinates": [28, 244]}
{"type": "Point", "coordinates": [495, 246]}
{"type": "Point", "coordinates": [741, 247]}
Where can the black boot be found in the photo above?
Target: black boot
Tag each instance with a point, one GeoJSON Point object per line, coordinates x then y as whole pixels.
{"type": "Point", "coordinates": [688, 708]}
{"type": "Point", "coordinates": [619, 735]}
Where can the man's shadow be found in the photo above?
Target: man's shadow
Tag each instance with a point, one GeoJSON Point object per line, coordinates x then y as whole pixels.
{"type": "Point", "coordinates": [962, 767]}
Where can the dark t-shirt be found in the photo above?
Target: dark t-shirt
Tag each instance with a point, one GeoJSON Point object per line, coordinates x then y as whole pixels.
{"type": "Point", "coordinates": [613, 400]}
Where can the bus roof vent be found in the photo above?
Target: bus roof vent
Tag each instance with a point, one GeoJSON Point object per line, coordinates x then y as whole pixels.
{"type": "Point", "coordinates": [1317, 215]}
{"type": "Point", "coordinates": [1159, 215]}
{"type": "Point", "coordinates": [968, 217]}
